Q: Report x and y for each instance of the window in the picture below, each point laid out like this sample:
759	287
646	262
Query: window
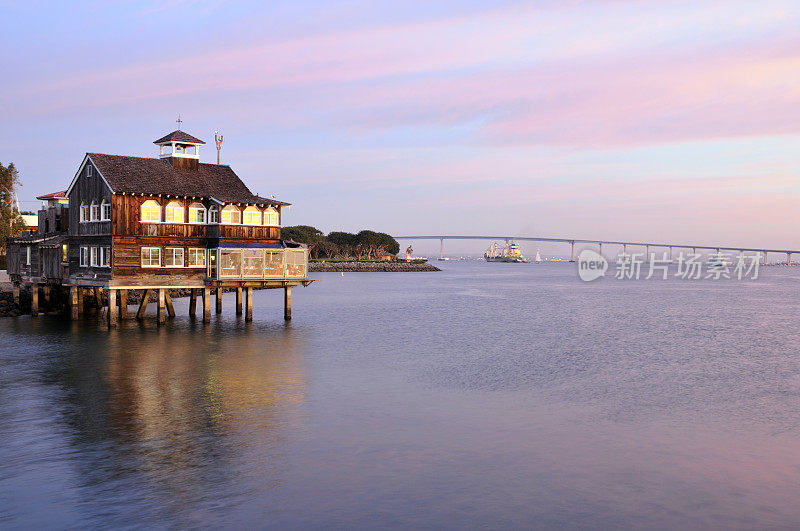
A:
173	257
105	211
84	256
253	263
271	217
94	257
252	216
296	262
174	212
231	214
28	255
273	264
151	257
89	170
95	211
197	257
64	255
84	212
105	256
230	263
151	211
213	215
197	213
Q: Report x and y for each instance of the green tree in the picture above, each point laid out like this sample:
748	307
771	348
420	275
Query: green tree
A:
10	221
303	234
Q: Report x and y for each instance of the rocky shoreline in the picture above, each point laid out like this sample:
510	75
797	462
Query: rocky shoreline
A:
369	267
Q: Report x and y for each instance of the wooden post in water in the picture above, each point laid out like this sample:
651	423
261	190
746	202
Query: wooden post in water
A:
168	300
206	305
239	300
248	316
46	295
162	317
80	300
34	299
193	303
287	303
123	304
143	305
16	293
98	296
73	302
112	308
219	300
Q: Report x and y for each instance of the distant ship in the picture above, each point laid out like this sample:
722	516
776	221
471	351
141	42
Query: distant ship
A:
538	258
511	253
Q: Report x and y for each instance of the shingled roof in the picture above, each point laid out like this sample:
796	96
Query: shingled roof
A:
149	176
179	136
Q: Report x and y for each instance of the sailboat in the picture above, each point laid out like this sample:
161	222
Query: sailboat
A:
538	258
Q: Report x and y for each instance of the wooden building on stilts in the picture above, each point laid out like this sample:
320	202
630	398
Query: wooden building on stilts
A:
156	224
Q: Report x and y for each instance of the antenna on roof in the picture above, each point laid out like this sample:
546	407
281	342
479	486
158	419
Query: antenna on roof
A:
218	141
179	121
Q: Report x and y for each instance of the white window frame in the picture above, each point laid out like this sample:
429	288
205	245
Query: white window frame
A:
230	209
28	255
84	212
171	209
173	249
95	212
249	210
213	215
105	256
195	252
268	215
195	208
150	259
105	205
84	256
149	210
89	170
94	256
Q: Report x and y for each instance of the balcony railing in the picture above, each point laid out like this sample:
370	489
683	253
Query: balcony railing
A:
257	264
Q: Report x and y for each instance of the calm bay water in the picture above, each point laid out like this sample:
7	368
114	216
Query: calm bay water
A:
488	395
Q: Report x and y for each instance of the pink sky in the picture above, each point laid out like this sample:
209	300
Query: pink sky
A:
670	121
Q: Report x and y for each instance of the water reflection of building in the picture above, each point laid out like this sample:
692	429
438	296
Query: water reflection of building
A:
177	414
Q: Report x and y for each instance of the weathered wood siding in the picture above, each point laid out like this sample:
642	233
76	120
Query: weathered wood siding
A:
88	189
13	258
127	265
53	219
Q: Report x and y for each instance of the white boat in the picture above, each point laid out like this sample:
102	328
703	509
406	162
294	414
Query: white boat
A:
538	258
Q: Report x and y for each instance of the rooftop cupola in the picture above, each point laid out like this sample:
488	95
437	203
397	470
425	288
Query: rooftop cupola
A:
180	149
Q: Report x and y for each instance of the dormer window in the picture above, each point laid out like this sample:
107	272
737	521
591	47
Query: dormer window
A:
252	216
84	212
213	215
197	213
95	211
174	212
105	211
231	214
151	211
271	217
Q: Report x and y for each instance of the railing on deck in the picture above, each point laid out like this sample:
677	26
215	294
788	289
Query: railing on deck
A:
257	264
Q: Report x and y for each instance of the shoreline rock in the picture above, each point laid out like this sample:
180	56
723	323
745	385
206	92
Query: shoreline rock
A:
370	267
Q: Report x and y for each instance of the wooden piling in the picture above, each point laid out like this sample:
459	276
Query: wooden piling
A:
73	302
34	299
98	296
123	304
80	300
193	302
46	295
168	300
248	316
287	303
162	317
16	293
112	308
219	300
239	301
206	305
143	305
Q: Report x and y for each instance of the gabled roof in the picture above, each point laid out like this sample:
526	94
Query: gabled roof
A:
179	136
55	195
149	176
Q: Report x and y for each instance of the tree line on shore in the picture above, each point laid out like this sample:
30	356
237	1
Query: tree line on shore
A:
364	245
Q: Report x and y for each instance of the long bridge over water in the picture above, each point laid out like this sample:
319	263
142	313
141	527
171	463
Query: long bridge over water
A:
600	243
